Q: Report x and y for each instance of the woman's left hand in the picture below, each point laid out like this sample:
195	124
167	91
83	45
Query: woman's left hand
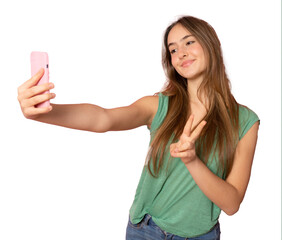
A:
185	147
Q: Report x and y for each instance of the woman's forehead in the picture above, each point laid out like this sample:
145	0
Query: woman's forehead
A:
177	34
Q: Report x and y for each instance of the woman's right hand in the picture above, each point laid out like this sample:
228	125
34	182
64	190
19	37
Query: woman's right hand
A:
29	95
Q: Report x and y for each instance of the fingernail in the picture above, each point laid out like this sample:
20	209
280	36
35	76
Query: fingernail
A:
51	85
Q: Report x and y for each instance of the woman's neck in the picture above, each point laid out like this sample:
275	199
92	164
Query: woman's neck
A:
192	87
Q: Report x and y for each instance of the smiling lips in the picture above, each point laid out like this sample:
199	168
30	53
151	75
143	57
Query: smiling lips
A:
187	63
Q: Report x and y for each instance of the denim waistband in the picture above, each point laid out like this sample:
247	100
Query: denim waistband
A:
147	220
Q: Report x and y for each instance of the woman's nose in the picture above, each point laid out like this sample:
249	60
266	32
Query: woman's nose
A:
182	52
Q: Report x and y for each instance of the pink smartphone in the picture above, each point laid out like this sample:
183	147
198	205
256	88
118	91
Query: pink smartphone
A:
40	60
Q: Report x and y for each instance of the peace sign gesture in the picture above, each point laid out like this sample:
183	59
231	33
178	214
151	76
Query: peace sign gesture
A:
185	147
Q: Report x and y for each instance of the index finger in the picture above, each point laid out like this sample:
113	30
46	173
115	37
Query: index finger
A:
188	125
196	133
33	80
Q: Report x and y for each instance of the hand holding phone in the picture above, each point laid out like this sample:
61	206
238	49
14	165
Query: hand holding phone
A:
40	60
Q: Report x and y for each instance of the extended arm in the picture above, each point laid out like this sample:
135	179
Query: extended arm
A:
86	117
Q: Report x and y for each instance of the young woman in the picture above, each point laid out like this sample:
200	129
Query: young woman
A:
202	141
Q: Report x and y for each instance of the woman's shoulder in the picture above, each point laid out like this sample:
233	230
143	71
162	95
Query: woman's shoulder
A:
246	113
151	102
156	101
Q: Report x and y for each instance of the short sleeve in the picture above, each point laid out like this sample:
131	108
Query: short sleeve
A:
161	112
247	118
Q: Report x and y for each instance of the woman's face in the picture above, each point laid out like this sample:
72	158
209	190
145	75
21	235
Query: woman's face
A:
187	55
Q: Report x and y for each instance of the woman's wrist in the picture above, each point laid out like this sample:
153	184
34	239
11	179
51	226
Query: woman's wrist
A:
194	163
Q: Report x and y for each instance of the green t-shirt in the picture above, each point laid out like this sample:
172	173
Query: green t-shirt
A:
173	199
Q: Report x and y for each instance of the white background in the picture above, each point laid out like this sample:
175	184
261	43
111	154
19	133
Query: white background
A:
57	183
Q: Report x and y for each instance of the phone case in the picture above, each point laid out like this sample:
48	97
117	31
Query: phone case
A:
40	60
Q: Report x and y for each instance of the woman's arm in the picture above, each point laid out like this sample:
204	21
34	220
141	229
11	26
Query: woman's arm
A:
227	194
86	117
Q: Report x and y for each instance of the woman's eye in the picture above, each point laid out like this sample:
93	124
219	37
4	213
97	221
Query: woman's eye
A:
172	51
190	42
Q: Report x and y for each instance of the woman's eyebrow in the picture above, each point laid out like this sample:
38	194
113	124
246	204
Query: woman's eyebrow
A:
182	39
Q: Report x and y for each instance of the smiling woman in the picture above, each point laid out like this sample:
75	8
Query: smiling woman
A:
202	141
210	144
187	54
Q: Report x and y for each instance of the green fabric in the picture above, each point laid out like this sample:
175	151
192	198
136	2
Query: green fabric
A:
173	199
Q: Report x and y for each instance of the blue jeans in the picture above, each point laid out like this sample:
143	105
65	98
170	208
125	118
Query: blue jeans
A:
148	230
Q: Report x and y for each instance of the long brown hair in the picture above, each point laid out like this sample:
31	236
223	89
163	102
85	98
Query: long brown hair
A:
222	112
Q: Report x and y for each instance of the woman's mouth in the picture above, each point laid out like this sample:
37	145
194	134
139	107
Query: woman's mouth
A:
187	63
